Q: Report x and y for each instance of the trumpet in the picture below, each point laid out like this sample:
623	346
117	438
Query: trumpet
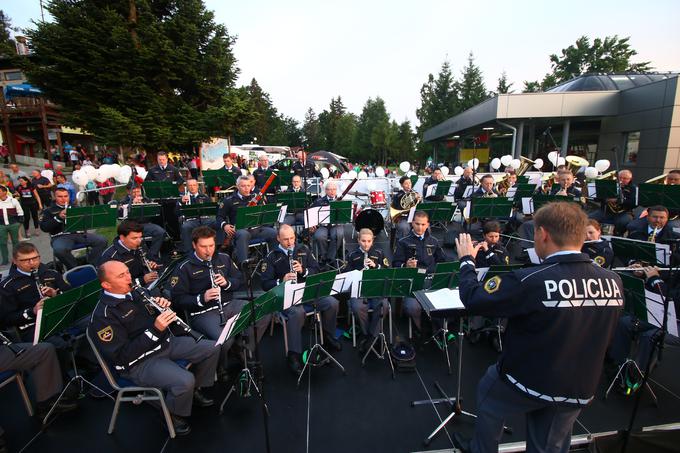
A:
290	265
183	325
213	276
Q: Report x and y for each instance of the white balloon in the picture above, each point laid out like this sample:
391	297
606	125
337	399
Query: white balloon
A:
124	174
80	196
115	170
515	163
79	178
89	171
325	173
101	175
495	163
405	166
552	157
561	161
379	172
352	175
141	172
474	163
410	173
591	172
445	170
538	163
362	175
505	160
602	165
345	175
458	170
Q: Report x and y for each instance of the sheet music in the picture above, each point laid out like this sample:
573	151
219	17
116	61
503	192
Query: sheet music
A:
468	191
431	189
312	217
511	192
292	294
466	210
592	190
36	332
655	312
527	205
411	212
347	282
663	254
443	299
282	213
535	178
226	330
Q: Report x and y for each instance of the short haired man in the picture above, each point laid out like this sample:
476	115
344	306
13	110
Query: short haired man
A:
164	171
437	176
11	217
403	227
135	339
260	175
294	217
14	174
655	229
618	210
305	168
545	305
53	221
130	249
43	186
463	183
565	185
229	165
150	229
486	188
326	237
191	197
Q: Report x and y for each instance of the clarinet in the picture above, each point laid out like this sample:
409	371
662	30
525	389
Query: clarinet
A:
290	264
187	194
219	295
145	260
366	267
185	327
36	279
7	342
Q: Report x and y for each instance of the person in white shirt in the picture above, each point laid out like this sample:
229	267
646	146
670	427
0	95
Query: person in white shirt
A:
11	216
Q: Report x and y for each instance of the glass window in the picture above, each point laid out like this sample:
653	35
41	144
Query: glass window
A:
14	75
632	145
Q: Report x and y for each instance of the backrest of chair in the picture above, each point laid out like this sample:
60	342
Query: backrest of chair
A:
80	275
102	363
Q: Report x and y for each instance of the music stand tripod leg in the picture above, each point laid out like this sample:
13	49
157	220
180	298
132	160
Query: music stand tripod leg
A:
318	349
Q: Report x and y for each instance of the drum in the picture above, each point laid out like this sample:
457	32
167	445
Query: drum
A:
377	198
371	219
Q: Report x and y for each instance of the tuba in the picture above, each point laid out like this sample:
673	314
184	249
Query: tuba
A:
525	165
575	164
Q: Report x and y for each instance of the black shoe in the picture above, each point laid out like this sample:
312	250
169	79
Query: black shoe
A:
294	363
223	375
181	426
201	400
461	442
64	405
332	343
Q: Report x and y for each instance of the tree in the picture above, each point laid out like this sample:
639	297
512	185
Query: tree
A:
372	130
7	45
158	75
404	147
471	86
531	87
613	54
345	135
328	122
438	101
311	132
503	86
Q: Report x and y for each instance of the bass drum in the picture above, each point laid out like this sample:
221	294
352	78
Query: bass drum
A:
371	219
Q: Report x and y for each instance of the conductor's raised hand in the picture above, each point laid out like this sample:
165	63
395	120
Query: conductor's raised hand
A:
465	247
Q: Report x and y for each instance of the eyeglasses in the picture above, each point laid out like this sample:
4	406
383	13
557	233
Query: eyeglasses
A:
28	260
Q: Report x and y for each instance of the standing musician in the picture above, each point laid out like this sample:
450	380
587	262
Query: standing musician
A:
137	341
402	226
486	188
226	222
260	175
191	197
11	218
129	249
437	176
598	249
366	256
327	237
53	221
155	232
164	171
618	210
419	249
295	218
229	165
203	285
553	329
291	262
305	168
491	251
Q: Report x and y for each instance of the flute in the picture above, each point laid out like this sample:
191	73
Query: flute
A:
638	269
219	294
185	327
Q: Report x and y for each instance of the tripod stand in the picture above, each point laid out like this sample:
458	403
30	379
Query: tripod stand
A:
383	347
444	332
621	373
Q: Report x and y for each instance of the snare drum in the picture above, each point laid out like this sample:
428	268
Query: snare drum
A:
377	198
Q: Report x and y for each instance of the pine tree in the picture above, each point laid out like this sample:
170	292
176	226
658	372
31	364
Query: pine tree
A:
471	86
438	101
503	85
311	132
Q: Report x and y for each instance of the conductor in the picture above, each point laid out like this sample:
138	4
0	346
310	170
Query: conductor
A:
561	317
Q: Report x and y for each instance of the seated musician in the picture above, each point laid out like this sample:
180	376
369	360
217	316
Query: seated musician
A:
229	165
366	256
53	221
191	197
295	218
137	341
419	249
402	226
437	176
327	237
565	185
618	211
672	179
260	175
207	295
164	171
226	222
11	218
463	183
598	249
486	188
294	262
305	168
491	252
654	229
129	249
152	230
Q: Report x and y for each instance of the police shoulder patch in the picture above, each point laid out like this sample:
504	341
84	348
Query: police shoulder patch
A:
106	334
263	268
492	284
173	281
385	262
599	260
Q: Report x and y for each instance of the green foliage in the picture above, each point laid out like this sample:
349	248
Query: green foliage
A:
471	87
503	86
372	130
139	73
438	101
311	132
531	87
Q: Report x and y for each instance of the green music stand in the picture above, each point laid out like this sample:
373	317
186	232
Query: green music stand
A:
283	178
438	211
340	213
143	212
523	180
193	211
218	178
605	188
89	217
659	194
445	276
635	302
159	190
539	200
295	201
255	216
442	188
318	285
523	191
391	282
490	208
633	250
414	180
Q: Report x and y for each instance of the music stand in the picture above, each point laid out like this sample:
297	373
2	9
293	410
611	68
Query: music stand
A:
601	189
439	212
166	193
655	194
295	201
441	188
491	208
628	250
339	214
143	212
218	178
523	190
160	190
198	210
89	217
256	216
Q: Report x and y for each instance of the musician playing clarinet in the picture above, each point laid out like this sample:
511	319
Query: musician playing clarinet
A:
137	341
130	249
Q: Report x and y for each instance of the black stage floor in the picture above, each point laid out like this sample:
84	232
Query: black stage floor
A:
364	411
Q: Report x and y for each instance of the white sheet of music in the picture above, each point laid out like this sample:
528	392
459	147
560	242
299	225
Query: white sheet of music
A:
226	330
655	312
36	331
347	282
445	299
312	217
411	212
527	205
282	213
511	192
533	256
430	190
292	294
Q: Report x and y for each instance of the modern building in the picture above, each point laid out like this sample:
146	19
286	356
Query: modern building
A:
633	116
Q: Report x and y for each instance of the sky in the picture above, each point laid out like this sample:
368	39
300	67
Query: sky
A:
303	52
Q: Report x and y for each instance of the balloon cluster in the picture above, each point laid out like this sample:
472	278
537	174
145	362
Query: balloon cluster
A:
88	173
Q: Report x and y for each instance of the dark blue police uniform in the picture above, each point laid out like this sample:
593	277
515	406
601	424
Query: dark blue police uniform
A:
369	322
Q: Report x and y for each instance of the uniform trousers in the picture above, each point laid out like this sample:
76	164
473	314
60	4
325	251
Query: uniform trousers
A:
244	236
326	239
369	322
187	227
157	234
40	361
160	370
63	244
328	306
548	425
